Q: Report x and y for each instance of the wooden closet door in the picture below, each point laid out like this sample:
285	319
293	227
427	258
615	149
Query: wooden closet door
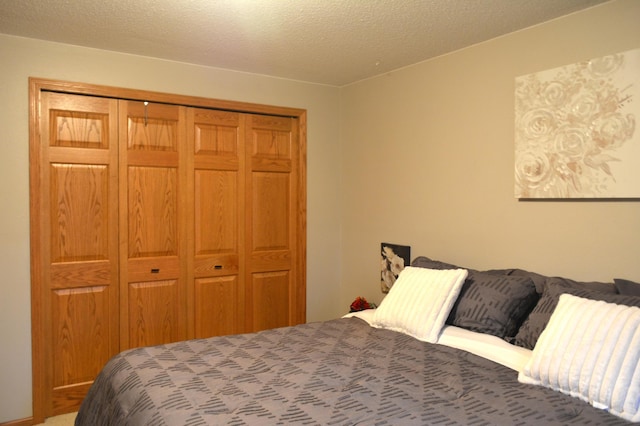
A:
152	223
216	182
271	222
75	249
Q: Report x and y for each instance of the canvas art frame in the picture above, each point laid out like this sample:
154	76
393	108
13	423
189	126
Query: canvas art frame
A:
575	130
393	259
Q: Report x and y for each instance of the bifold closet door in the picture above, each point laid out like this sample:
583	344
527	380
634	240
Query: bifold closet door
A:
156	221
75	249
216	180
271	222
153	223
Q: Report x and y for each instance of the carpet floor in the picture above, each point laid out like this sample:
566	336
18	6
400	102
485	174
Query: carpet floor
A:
62	420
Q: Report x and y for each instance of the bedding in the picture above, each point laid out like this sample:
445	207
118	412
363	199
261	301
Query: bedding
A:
493	304
627	287
420	301
537	320
590	350
338	372
398	364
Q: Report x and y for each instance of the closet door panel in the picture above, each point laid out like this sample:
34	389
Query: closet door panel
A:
81	340
81	343
152	223
271	211
79	278
152	215
152	127
271	221
77	246
216	212
216	305
153	313
79	212
79	121
216	288
271	299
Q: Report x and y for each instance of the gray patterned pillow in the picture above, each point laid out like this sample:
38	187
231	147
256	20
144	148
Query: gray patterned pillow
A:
537	279
493	304
425	262
539	317
627	287
600	287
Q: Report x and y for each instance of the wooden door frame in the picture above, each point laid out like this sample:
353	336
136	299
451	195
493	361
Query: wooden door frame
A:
39	85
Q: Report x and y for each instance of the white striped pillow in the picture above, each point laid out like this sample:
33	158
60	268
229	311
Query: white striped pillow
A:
590	350
419	302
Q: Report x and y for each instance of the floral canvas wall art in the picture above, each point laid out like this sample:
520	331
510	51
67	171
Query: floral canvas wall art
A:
575	130
394	258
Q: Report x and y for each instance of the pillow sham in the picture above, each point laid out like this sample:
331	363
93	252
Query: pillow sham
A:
419	302
425	262
493	304
588	285
539	317
590	350
537	279
627	287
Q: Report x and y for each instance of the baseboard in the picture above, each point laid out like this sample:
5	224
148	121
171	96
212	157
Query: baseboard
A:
24	422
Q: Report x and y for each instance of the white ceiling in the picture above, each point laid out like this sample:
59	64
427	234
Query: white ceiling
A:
334	42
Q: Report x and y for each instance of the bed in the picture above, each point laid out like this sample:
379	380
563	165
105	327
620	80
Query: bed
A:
470	365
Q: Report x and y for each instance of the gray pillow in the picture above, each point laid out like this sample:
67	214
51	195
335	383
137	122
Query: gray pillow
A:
627	287
537	320
588	285
425	262
493	304
537	279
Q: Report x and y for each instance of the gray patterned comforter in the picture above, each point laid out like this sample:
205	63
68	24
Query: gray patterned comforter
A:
339	372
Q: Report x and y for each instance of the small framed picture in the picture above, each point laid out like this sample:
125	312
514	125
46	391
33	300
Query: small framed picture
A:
394	258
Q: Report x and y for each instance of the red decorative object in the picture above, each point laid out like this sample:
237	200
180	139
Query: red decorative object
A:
360	304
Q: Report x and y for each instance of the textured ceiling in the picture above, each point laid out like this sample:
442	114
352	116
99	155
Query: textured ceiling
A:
334	42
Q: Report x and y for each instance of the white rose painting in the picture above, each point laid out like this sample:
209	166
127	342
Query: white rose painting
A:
575	130
393	259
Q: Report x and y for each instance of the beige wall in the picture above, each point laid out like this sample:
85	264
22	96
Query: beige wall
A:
22	58
423	156
428	161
